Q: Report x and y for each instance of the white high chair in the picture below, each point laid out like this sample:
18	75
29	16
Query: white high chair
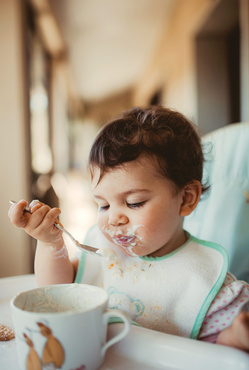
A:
222	216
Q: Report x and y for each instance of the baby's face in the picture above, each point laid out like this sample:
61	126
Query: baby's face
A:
139	210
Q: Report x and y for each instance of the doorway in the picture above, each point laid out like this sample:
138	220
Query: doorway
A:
218	68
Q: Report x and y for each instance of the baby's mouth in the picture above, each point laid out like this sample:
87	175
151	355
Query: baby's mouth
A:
123	239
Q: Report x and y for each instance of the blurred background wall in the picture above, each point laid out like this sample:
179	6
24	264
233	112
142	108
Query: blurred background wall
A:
67	67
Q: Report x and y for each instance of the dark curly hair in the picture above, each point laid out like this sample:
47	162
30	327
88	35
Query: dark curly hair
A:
164	134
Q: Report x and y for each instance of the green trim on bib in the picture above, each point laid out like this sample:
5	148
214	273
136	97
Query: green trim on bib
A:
146	258
82	261
81	268
216	287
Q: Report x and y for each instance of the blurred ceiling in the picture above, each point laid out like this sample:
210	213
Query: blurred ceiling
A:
110	42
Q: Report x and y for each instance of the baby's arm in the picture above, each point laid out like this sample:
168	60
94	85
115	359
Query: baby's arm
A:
227	320
52	264
236	335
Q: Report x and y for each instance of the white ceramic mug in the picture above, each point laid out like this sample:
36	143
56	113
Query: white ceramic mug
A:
63	326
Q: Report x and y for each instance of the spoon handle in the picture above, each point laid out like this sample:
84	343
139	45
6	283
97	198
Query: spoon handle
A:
86	248
75	241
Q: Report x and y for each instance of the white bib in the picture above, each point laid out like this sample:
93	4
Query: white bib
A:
171	294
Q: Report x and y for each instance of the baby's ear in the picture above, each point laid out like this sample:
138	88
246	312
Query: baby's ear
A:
191	197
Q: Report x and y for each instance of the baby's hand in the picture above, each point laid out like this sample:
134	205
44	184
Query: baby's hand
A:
39	223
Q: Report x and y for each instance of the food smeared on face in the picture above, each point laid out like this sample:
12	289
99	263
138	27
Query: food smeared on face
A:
126	240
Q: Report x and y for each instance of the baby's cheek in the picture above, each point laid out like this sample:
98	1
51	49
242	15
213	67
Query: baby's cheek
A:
102	222
152	237
145	233
104	227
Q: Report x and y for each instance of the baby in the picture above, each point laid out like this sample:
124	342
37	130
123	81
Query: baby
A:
146	171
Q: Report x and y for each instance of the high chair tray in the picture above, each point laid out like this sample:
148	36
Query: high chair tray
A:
142	349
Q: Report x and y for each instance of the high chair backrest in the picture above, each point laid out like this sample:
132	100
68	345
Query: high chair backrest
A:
222	216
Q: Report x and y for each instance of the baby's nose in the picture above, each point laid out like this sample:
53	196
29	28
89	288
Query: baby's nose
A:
117	219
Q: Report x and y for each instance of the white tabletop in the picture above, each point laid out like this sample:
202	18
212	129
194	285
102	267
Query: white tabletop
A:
142	349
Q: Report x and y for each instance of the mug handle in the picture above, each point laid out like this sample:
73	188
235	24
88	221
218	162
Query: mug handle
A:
119	336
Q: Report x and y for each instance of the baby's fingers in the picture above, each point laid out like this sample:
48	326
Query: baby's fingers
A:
17	215
40	214
51	217
41	225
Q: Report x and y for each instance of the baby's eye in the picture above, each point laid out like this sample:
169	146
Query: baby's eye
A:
136	205
103	208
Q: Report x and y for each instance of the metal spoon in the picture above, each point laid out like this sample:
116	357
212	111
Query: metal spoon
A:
86	248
